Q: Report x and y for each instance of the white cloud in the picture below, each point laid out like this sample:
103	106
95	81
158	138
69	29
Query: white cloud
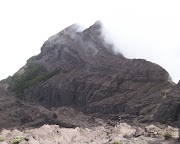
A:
140	29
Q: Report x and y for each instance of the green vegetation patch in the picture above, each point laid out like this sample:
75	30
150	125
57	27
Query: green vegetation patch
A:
17	140
167	135
1	139
34	73
118	142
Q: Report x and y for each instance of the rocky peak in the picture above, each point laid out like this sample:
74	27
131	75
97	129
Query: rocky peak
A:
60	38
178	83
97	25
96	28
71	46
75	33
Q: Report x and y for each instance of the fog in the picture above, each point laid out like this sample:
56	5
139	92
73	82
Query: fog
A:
138	29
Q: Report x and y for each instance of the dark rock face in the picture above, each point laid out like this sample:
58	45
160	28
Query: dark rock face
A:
169	111
95	79
17	114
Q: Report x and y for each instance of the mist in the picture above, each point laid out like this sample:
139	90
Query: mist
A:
138	29
158	44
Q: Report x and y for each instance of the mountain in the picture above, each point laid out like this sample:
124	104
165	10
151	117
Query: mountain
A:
79	69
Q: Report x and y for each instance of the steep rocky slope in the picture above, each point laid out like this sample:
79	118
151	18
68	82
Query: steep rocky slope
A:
17	114
170	108
79	69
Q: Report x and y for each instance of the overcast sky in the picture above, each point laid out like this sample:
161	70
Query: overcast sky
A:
147	29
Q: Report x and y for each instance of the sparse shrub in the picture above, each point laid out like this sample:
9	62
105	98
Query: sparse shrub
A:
1	139
17	140
167	135
118	142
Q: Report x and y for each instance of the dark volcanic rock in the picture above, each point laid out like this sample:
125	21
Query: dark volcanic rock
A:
169	111
80	69
16	114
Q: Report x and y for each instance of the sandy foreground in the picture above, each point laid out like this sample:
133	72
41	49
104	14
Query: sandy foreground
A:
120	134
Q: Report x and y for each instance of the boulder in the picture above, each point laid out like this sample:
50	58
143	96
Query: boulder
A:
139	131
153	131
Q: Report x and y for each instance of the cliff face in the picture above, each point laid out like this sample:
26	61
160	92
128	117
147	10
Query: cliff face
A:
14	113
169	111
79	69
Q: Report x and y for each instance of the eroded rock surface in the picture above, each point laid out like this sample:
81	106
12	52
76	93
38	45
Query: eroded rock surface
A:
170	109
17	114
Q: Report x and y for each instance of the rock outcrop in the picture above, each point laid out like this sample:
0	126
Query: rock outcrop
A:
169	111
17	114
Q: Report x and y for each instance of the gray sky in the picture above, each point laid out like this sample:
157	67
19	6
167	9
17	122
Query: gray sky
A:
139	29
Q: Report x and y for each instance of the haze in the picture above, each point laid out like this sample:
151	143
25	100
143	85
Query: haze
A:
138	29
